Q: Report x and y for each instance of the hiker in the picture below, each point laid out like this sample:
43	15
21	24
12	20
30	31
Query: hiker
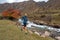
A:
24	22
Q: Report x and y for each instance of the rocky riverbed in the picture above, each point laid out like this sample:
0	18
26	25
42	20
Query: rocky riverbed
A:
52	31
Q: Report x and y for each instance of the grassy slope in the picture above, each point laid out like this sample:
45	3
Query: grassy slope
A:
9	31
56	18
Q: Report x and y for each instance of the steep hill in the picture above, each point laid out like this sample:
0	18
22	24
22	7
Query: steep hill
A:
53	4
32	6
9	31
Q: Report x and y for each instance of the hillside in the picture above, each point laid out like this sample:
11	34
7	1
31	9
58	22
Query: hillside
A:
53	4
37	11
9	31
31	5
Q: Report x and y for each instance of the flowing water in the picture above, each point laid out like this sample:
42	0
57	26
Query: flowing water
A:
30	24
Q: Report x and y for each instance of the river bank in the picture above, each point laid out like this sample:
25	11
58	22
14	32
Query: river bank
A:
55	25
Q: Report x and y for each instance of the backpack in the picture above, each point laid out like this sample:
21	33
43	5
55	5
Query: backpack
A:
24	19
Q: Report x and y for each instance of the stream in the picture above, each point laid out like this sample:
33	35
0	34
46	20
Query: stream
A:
30	24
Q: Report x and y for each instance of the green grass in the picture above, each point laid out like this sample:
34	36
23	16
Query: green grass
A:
9	31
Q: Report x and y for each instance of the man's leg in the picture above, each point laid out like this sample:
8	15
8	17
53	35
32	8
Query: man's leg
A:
25	29
21	28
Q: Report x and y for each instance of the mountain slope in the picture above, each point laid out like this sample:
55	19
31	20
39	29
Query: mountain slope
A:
31	6
53	4
9	31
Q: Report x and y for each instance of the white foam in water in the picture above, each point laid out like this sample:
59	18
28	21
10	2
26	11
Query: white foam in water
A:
30	24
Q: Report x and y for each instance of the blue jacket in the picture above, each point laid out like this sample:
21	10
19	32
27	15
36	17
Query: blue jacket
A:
24	19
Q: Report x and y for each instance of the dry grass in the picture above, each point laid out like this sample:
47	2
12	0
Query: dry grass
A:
9	31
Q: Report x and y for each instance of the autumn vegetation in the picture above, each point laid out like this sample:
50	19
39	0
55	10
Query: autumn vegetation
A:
11	14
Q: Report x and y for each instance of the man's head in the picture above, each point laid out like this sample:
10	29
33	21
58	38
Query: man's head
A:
25	14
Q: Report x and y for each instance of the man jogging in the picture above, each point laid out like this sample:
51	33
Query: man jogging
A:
24	22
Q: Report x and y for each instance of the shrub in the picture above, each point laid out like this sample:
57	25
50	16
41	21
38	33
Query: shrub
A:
1	17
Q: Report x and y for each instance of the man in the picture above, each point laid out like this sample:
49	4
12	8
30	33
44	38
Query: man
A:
24	22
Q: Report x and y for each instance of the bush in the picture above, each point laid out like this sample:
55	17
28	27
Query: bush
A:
1	17
10	18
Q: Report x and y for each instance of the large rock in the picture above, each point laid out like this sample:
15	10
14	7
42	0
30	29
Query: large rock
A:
46	34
